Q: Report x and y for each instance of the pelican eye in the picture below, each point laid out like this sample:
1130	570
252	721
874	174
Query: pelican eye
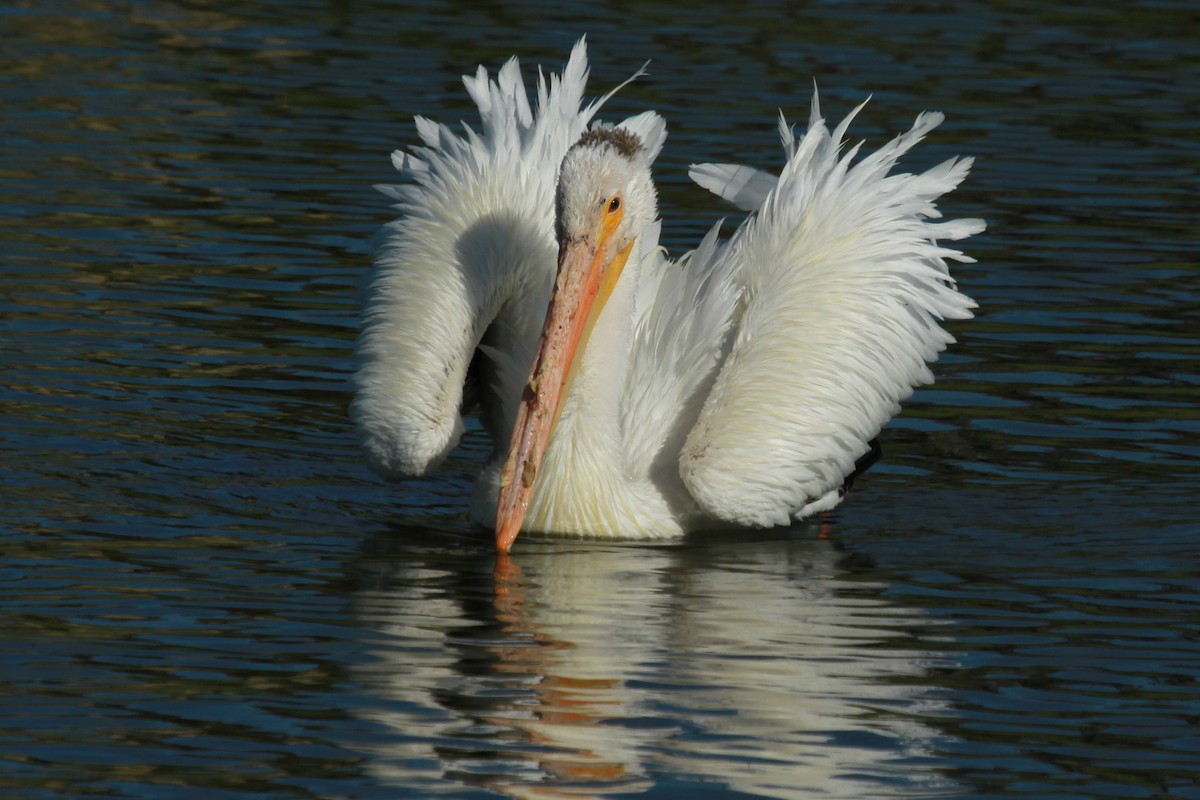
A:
614	204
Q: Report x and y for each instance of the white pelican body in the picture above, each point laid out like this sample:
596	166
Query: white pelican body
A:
735	387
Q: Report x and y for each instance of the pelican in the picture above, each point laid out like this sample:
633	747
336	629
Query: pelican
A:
631	396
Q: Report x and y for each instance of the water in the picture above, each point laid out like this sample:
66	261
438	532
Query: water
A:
204	594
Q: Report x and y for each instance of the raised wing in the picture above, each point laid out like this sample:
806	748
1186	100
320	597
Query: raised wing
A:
468	264
844	286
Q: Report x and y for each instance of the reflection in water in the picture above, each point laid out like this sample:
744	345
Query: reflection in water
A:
580	669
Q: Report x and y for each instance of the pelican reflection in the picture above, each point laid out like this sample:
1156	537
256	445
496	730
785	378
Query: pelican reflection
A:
583	669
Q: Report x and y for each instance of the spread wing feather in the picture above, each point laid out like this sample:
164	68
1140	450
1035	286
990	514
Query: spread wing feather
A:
844	285
470	260
745	187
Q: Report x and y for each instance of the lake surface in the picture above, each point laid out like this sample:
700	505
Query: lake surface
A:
205	594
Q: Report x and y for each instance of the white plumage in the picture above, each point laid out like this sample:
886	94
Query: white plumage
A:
736	386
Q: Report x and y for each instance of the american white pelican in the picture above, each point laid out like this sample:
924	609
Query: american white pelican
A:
631	396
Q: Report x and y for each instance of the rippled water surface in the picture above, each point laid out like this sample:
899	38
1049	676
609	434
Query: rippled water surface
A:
205	594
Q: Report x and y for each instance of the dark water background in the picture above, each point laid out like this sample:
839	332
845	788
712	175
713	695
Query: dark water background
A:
205	594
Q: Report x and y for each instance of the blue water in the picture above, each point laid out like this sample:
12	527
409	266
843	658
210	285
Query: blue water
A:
205	594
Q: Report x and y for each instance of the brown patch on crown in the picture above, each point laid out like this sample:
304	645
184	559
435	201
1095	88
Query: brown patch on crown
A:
626	142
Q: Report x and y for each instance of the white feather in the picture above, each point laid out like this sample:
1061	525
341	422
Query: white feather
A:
844	288
473	248
676	348
745	187
739	384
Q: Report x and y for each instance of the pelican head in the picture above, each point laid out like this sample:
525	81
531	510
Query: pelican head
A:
605	198
604	190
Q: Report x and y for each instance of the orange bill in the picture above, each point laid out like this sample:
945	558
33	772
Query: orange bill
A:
587	271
